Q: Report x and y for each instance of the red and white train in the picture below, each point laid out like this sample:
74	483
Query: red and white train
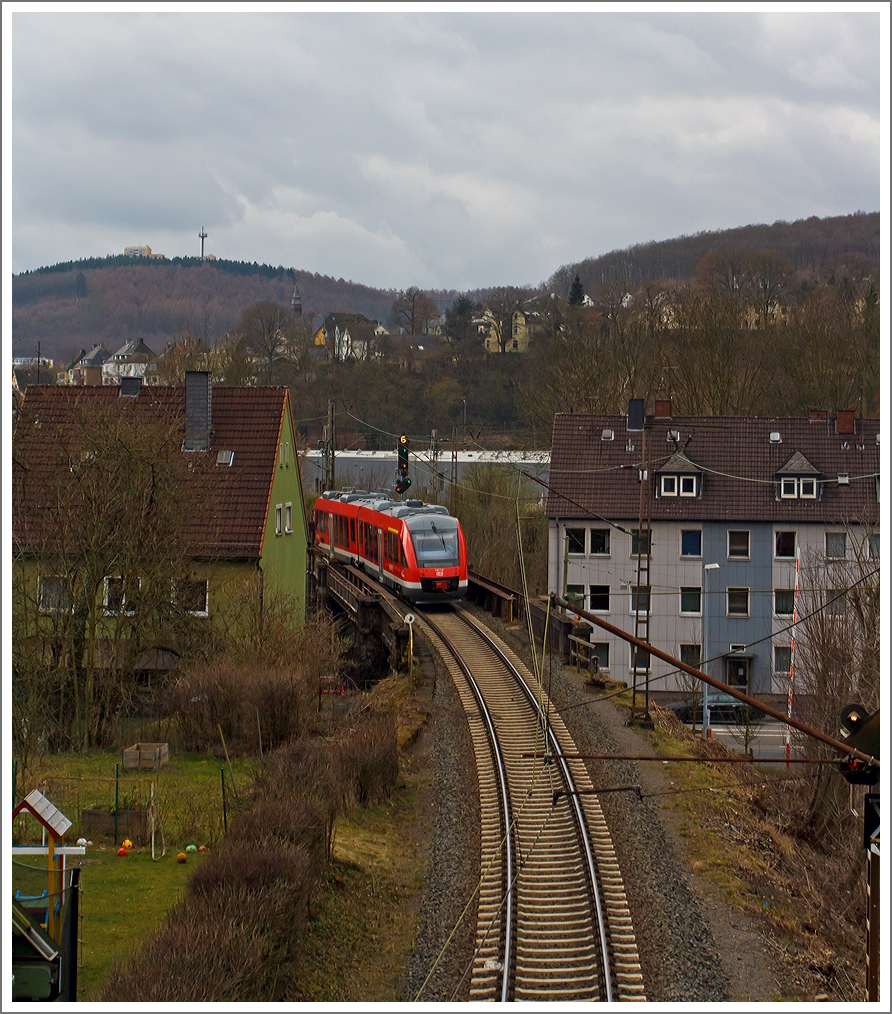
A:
416	548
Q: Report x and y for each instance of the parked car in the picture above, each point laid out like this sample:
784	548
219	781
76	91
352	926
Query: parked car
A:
722	708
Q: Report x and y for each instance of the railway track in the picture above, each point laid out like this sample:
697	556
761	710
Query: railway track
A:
552	917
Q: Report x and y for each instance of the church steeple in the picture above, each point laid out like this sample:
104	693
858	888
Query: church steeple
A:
295	302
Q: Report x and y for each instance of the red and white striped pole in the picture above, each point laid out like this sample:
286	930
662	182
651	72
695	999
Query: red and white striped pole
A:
792	660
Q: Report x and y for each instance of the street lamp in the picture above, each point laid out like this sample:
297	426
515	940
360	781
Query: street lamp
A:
707	567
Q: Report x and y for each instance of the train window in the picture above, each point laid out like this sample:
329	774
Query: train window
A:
352	530
403	561
437	546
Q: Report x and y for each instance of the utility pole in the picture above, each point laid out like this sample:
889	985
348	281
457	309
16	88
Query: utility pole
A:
330	448
453	476
639	713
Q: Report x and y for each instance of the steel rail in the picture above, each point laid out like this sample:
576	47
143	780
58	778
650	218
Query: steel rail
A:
505	802
581	825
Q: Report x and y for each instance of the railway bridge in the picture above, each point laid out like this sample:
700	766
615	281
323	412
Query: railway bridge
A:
378	625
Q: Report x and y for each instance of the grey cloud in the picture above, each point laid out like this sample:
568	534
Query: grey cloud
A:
435	149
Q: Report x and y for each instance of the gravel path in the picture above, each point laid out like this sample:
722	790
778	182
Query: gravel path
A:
692	947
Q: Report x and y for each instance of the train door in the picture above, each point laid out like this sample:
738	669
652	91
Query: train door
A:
380	534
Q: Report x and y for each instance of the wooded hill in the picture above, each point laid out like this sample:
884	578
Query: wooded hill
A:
70	306
810	244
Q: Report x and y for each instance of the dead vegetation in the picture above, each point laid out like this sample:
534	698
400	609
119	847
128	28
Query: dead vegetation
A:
748	831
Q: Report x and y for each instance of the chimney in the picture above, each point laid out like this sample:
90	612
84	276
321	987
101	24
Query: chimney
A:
845	422
663	408
817	414
198	411
635	421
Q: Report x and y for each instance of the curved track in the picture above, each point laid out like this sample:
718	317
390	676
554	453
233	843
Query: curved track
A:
552	918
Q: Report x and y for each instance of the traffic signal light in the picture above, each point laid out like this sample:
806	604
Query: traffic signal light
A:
403	482
862	732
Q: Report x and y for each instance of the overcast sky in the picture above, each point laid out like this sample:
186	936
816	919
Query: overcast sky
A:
444	150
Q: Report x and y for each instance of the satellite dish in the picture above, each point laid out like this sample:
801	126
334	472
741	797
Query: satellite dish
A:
409	618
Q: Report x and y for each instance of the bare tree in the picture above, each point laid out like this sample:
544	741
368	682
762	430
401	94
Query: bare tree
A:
414	312
266	330
99	514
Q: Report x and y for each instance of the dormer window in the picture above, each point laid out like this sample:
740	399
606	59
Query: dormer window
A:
679	476
678	485
798	488
798	479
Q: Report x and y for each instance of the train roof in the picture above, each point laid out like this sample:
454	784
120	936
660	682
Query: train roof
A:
383	504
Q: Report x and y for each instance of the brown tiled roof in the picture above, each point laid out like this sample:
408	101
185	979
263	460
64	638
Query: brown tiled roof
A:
245	420
739	463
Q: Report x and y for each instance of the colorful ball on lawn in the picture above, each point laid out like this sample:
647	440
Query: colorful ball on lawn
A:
202	848
82	841
127	843
181	857
191	848
122	851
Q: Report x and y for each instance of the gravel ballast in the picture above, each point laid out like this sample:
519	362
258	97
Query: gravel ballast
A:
692	947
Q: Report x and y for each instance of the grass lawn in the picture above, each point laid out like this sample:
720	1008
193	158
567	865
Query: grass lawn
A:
123	900
188	792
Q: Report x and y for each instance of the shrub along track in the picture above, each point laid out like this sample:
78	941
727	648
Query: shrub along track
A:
552	917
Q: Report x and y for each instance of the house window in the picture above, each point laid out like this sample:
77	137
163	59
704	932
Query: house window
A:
873	547
600	541
54	595
639	659
788	489
835	601
782	658
278	519
792	488
738	601
668	485
783	601
690	602
738	545
642	540
576	595
514	345
600	598
835	543
688	485
601	654
784	545
576	541
692	542
640	603
690	654
288	528
116	599
192	596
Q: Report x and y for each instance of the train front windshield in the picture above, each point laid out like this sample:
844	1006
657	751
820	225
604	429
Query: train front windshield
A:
436	543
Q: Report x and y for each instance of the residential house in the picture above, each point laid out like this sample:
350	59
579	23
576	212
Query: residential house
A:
133	359
241	440
350	336
86	369
409	350
522	326
721	509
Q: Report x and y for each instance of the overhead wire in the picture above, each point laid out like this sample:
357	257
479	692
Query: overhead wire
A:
777	633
